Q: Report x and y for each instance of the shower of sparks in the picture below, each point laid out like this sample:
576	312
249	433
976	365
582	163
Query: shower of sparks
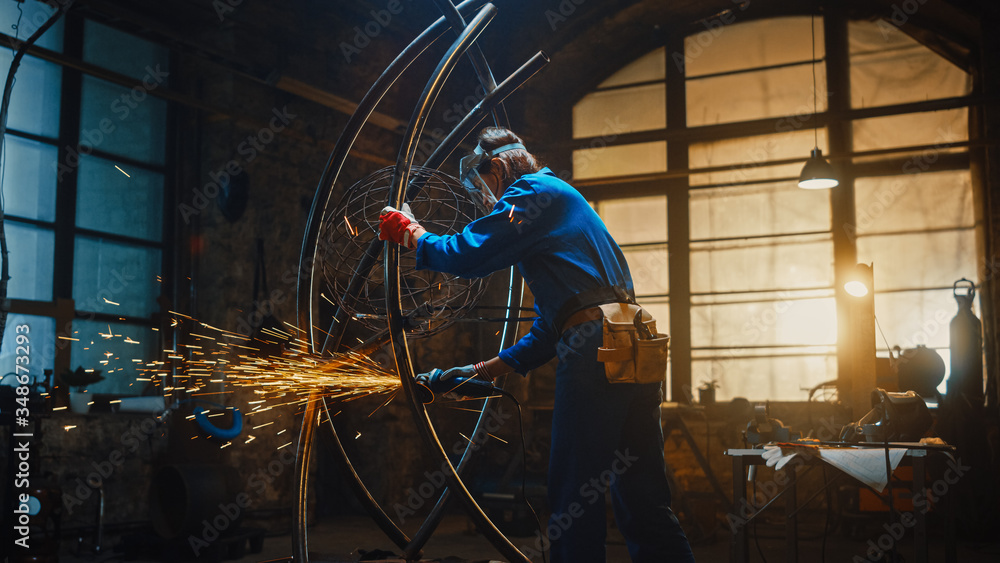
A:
218	362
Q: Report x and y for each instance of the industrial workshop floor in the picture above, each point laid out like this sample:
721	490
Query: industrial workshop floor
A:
347	539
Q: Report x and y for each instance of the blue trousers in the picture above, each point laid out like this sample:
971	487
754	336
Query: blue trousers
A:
607	437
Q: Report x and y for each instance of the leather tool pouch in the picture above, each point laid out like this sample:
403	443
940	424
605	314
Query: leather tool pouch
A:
627	356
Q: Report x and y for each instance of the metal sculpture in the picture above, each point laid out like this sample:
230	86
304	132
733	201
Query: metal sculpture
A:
405	305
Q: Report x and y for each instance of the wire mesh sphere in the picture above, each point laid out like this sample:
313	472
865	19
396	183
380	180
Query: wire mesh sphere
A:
429	300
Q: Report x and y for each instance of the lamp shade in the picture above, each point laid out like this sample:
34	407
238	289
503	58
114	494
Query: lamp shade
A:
817	174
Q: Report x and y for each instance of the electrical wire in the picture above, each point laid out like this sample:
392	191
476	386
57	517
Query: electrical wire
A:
812	25
524	470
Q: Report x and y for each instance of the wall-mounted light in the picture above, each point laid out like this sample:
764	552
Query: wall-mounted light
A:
859	282
817	174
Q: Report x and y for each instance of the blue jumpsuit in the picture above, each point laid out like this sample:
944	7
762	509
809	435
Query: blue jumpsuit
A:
604	436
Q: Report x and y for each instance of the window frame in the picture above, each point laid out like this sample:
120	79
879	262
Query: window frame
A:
62	307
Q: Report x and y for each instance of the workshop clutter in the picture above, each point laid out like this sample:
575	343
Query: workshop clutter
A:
633	352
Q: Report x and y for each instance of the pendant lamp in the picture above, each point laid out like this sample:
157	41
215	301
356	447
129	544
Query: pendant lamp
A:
817	174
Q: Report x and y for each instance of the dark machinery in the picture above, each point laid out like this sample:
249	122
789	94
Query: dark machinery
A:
895	417
764	429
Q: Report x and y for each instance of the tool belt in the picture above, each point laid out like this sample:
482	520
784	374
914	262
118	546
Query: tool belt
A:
632	350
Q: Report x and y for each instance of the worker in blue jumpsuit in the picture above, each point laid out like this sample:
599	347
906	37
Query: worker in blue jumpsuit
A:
605	436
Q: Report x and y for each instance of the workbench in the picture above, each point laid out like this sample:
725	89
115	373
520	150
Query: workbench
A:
743	460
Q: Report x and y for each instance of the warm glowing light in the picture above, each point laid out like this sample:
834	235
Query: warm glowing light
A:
856	288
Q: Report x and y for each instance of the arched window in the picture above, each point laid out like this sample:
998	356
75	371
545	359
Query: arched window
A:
752	255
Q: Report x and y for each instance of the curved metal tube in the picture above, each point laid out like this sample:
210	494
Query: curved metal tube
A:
476	57
478	113
399	346
447	146
338	157
305	291
303	450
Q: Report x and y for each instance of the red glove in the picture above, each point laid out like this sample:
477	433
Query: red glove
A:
398	226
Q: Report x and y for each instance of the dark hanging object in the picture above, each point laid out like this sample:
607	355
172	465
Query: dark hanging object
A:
270	335
966	343
234	193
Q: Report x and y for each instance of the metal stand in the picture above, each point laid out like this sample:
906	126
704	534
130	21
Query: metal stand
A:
330	341
746	459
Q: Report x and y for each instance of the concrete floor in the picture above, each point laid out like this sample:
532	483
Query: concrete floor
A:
346	539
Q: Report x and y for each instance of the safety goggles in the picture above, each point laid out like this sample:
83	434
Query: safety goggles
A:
468	171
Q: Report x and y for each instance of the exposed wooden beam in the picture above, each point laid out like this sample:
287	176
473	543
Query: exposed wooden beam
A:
337	103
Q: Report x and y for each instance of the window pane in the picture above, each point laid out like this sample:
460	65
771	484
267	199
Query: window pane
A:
121	351
115	278
913	202
731	266
913	318
31	251
889	67
635	220
920	260
108	200
603	161
122	52
610	113
790	318
746	96
34	100
755	210
32	16
644	69
29	179
726	47
784	376
130	123
41	352
648	266
742	157
911	130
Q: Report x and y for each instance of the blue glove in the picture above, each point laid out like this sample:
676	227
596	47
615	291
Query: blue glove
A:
460	381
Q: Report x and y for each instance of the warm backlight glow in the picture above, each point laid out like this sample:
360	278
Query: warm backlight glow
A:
856	288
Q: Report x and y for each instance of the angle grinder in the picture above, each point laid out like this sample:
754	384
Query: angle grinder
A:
430	385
